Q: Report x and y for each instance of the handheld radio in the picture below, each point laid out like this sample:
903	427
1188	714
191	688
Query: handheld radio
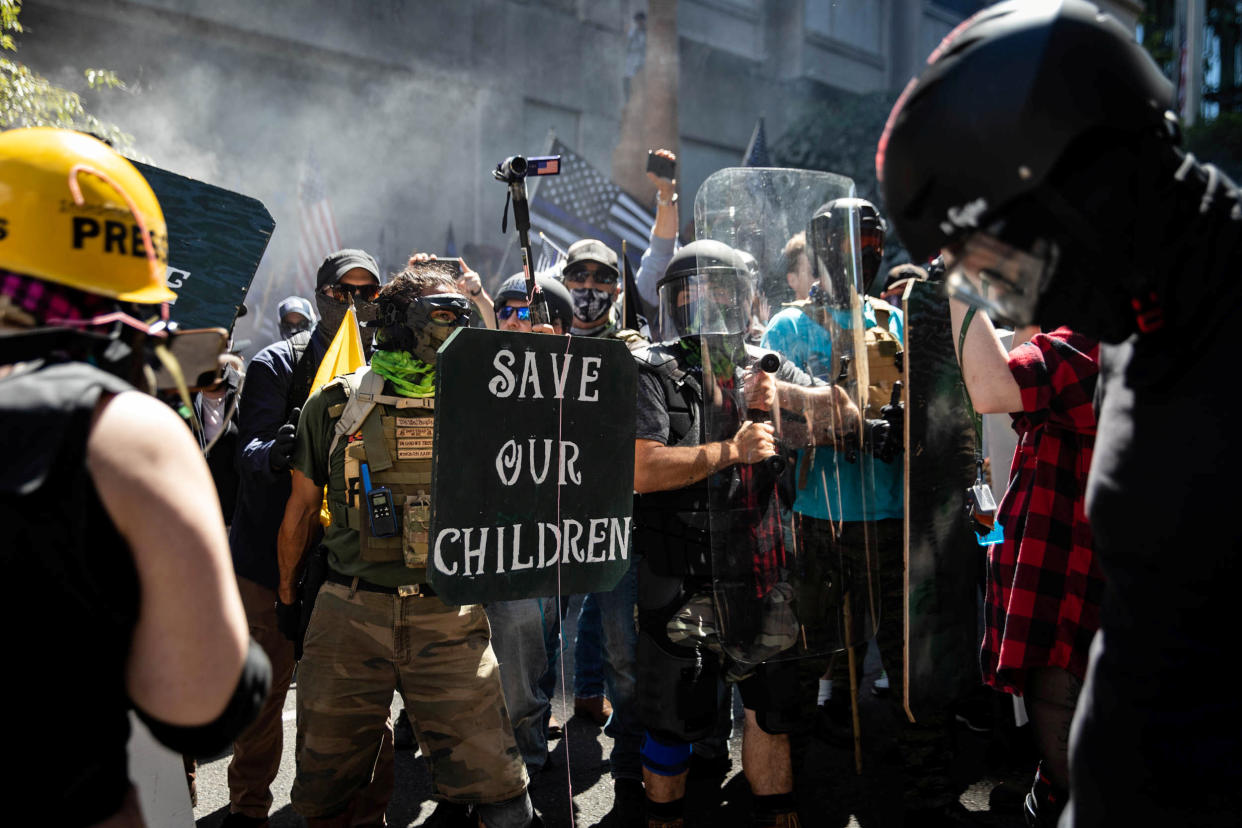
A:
380	510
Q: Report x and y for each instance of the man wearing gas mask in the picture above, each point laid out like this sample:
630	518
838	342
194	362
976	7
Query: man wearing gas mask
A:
113	533
1063	198
700	402
377	626
278	380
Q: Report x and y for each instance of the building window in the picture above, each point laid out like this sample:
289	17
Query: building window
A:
858	23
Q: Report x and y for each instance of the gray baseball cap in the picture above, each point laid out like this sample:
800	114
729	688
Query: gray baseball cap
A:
590	250
294	304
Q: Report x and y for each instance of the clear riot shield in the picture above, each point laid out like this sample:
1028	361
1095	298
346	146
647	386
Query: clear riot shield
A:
792	576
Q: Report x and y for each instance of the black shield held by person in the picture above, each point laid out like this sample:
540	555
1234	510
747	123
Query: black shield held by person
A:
533	466
216	239
942	555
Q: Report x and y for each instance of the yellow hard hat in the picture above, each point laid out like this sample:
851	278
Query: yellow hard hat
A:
73	211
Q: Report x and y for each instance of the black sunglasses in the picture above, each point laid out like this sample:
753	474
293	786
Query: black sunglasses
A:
341	292
523	314
601	276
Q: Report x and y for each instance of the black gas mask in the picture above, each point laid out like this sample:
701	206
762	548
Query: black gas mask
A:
422	326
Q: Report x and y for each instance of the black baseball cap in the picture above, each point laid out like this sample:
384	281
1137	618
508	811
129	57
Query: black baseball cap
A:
341	262
590	250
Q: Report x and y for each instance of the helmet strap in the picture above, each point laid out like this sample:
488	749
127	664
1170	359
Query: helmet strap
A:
75	190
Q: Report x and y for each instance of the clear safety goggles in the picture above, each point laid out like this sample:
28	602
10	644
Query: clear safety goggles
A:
1002	280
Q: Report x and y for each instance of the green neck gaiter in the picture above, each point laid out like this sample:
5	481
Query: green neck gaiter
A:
410	377
724	363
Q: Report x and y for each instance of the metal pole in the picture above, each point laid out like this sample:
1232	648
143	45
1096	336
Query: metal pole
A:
1195	16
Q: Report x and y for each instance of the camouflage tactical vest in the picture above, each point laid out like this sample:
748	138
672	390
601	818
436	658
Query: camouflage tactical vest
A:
393	436
884	351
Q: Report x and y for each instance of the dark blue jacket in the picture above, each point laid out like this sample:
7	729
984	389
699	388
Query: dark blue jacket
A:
262	494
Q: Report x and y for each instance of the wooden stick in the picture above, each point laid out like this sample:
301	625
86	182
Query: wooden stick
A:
849	632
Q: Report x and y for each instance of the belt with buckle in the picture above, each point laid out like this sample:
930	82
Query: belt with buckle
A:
405	591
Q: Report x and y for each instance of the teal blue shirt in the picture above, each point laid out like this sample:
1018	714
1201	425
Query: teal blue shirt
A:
837	489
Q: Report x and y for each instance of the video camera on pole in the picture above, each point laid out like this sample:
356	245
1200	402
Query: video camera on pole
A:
514	171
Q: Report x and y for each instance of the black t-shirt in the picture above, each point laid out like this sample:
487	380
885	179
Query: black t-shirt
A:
1151	746
651	418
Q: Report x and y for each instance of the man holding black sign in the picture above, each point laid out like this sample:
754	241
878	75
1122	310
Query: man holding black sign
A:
377	625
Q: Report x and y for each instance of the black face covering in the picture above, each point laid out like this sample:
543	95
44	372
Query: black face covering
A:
332	314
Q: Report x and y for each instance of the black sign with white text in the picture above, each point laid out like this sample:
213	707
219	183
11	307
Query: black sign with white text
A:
533	466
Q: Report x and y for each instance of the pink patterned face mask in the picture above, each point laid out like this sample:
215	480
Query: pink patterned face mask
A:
50	303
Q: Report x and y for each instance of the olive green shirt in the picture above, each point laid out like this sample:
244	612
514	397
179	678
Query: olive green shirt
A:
315	432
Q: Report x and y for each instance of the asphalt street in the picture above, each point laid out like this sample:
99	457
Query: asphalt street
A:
992	770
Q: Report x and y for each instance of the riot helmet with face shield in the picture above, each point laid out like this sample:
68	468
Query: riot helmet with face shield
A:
845	242
705	290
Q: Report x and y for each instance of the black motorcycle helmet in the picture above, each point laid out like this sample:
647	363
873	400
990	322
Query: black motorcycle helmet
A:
1004	99
560	305
1037	146
706	289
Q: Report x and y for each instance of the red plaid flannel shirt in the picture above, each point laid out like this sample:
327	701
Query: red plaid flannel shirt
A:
1044	588
757	498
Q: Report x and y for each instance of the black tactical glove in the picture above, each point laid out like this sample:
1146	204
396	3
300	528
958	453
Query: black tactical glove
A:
289	620
280	457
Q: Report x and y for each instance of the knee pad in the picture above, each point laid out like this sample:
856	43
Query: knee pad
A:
665	757
677	688
772	693
776	722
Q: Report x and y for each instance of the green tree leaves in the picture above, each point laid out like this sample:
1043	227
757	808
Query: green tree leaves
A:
29	99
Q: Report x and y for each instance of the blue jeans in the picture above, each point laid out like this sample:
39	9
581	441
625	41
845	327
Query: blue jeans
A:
519	631
620	638
588	651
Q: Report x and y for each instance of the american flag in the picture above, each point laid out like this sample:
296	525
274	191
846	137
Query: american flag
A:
318	226
551	258
582	203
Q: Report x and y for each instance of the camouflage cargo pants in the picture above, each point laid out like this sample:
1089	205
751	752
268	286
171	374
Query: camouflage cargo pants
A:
359	648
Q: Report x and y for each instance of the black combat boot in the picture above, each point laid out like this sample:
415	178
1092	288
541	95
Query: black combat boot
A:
1044	803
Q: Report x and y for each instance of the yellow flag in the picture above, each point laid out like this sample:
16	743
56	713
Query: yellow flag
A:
344	356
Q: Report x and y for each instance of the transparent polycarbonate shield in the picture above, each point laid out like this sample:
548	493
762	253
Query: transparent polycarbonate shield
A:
790	577
757	210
